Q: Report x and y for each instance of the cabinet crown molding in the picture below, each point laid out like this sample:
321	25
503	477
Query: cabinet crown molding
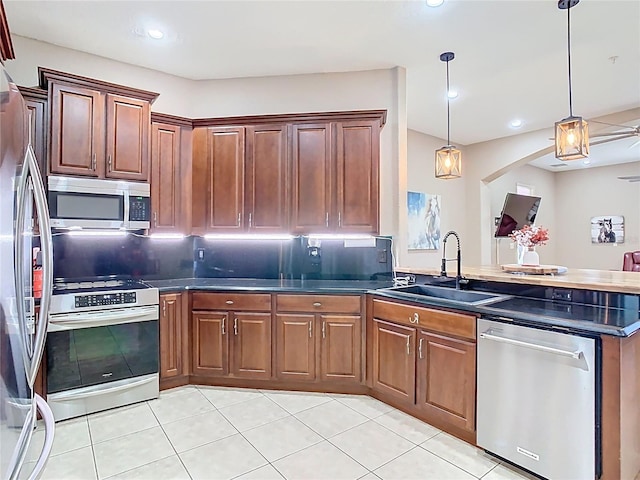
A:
47	75
316	117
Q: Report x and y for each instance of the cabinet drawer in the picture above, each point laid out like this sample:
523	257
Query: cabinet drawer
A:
440	321
232	301
318	303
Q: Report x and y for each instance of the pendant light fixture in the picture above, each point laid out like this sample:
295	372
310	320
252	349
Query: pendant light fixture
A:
448	158
572	133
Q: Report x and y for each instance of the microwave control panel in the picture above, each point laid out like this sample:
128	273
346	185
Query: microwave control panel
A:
139	209
119	298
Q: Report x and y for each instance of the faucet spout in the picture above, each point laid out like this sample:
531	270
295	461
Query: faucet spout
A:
458	259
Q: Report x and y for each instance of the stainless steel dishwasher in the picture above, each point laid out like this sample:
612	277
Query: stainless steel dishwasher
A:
538	400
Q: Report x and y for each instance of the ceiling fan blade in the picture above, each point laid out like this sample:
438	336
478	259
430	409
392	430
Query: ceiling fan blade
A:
630	177
614	134
607	140
637	142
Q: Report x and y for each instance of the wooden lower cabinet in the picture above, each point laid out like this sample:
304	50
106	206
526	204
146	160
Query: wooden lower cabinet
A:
425	369
394	360
174	337
319	338
231	343
446	380
295	347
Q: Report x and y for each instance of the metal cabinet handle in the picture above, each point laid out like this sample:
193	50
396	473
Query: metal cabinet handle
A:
109	162
310	328
317	304
339	219
420	349
250	220
239	218
164	308
155	219
408	345
223	326
93	163
235	326
229	302
415	318
326	219
324	329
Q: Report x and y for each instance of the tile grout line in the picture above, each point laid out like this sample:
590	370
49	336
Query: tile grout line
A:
450	462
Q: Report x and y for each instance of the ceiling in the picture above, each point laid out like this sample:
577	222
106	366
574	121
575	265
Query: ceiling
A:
511	56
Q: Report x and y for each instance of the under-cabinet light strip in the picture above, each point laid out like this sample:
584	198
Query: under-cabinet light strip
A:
248	236
167	236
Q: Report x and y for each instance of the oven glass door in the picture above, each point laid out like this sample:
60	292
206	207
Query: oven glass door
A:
91	356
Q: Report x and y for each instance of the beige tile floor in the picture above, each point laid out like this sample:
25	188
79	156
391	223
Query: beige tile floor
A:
226	433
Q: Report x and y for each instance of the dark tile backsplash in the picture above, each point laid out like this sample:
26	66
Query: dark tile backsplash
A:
156	259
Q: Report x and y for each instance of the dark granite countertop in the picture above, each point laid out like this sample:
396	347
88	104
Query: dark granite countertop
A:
268	285
563	316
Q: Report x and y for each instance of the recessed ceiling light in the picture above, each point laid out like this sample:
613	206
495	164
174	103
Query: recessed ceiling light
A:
155	33
517	123
452	93
435	3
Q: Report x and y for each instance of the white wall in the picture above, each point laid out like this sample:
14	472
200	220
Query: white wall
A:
421	178
367	90
544	184
585	193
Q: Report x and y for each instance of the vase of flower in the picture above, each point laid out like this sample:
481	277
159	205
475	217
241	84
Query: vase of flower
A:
530	257
527	238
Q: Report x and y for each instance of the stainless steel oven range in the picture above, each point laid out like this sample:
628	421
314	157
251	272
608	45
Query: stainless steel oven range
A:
102	347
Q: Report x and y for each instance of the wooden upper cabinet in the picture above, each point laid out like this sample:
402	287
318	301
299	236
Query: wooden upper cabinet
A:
127	134
357	171
77	131
98	129
266	178
311	193
165	178
225	179
35	99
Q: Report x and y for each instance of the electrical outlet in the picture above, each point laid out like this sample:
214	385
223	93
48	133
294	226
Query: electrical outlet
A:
382	256
200	254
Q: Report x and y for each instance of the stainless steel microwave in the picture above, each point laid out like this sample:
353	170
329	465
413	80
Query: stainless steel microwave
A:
90	203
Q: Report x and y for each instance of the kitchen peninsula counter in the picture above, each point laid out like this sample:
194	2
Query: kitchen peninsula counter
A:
585	279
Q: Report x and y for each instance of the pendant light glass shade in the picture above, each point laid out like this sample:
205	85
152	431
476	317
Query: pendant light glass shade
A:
572	139
448	163
571	133
448	158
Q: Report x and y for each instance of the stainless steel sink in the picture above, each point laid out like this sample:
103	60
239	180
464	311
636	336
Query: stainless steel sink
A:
444	293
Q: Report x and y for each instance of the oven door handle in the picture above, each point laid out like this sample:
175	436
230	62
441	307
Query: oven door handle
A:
102	319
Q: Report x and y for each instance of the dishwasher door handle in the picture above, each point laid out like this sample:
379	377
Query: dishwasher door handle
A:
534	346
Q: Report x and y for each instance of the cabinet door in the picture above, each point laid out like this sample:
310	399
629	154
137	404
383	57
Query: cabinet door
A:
446	380
251	353
171	335
357	166
311	184
266	178
225	179
127	128
340	352
295	347
210	344
77	131
37	108
165	178
394	360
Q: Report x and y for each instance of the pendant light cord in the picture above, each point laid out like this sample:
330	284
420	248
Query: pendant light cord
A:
448	120
569	58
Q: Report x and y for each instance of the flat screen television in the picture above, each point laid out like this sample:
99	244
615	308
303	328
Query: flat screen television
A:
518	211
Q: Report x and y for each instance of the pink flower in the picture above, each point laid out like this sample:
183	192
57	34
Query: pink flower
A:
530	236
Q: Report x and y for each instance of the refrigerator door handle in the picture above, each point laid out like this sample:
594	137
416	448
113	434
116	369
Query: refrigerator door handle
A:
49	431
18	259
46	248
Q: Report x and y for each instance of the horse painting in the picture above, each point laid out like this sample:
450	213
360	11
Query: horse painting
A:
606	235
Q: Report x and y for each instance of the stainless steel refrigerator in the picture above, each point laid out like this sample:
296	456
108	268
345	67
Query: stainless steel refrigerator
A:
24	223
